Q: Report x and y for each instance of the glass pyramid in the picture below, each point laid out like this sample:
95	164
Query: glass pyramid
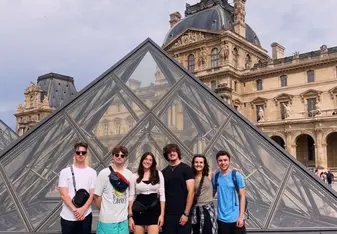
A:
144	102
7	135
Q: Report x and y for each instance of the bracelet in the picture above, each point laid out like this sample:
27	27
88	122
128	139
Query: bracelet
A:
130	216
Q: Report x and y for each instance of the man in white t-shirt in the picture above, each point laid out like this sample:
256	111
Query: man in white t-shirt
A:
75	219
112	201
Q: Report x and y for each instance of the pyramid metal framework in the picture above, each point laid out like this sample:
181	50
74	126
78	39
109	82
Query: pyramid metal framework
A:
164	104
7	135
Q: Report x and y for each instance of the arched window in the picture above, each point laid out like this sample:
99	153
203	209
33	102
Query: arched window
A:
215	58
235	57
191	63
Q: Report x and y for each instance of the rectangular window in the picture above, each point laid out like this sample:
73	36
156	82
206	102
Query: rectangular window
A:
310	76
284	80
213	84
311	105
259	85
235	85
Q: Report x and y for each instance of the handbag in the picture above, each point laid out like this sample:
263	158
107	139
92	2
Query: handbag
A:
81	195
118	181
138	207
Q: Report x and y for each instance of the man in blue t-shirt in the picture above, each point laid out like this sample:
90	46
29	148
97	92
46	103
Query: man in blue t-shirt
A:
231	206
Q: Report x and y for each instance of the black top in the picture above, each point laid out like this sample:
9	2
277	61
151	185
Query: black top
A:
176	188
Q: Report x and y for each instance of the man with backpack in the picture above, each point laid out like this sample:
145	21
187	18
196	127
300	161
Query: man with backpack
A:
230	188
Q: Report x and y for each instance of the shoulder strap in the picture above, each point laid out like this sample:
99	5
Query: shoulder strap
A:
73	175
235	181
198	192
216	178
111	169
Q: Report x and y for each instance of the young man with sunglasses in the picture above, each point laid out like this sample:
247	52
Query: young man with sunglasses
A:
113	202
77	219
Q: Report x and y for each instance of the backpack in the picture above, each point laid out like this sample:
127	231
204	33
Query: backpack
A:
236	186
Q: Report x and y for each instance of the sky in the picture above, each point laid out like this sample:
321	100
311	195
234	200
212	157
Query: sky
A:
83	38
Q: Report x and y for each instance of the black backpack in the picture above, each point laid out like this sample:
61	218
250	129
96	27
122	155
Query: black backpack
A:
236	186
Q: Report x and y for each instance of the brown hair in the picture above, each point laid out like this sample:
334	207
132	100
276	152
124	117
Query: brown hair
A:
205	170
223	153
170	148
80	144
154	175
118	149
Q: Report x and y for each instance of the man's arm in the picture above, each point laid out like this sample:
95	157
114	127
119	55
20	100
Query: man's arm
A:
66	199
190	195
242	193
98	201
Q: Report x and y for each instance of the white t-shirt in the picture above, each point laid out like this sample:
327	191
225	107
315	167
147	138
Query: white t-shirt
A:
114	207
85	178
144	188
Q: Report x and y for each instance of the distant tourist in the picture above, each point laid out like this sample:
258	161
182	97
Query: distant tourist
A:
203	214
76	186
112	194
230	186
329	177
179	192
147	197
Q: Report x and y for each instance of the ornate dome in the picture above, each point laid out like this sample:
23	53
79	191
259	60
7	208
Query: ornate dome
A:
211	16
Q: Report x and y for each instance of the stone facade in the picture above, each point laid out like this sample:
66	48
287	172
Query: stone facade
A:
34	109
292	99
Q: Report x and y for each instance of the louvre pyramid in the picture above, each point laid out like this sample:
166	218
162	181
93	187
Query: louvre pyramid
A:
7	135
144	102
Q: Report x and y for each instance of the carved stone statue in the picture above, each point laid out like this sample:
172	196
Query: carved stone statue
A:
19	108
178	58
190	37
287	110
318	111
248	62
202	58
261	114
224	52
296	54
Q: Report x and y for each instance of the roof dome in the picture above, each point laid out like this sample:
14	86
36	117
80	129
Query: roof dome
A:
218	17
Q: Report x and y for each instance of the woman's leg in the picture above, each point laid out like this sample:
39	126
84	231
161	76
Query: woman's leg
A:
139	229
152	229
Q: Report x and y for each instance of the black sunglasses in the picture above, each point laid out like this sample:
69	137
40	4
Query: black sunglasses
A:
81	152
119	155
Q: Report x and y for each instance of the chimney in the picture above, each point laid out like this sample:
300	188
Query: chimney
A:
240	17
277	50
174	18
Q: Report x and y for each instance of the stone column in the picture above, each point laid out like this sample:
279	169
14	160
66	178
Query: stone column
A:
320	156
288	145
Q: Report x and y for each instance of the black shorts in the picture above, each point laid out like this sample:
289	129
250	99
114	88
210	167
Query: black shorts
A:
230	228
172	226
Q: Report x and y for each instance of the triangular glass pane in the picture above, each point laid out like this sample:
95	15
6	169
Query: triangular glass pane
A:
263	167
147	81
304	204
191	116
38	167
10	219
7	135
112	121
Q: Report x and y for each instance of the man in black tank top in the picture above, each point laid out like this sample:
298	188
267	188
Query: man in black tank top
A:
179	192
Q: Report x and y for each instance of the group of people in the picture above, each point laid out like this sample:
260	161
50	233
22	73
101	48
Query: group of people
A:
326	176
178	199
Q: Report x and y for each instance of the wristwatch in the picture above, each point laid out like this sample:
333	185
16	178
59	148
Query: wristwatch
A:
185	214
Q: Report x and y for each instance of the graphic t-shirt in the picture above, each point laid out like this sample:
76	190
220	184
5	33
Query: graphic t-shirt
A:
114	207
228	199
85	178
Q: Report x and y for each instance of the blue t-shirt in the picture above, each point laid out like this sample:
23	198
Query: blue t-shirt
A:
228	199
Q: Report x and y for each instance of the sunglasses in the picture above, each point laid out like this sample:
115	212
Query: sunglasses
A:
119	155
81	152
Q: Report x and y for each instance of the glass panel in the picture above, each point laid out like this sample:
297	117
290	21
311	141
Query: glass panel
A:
262	166
147	81
304	204
10	220
87	104
113	120
35	177
7	135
